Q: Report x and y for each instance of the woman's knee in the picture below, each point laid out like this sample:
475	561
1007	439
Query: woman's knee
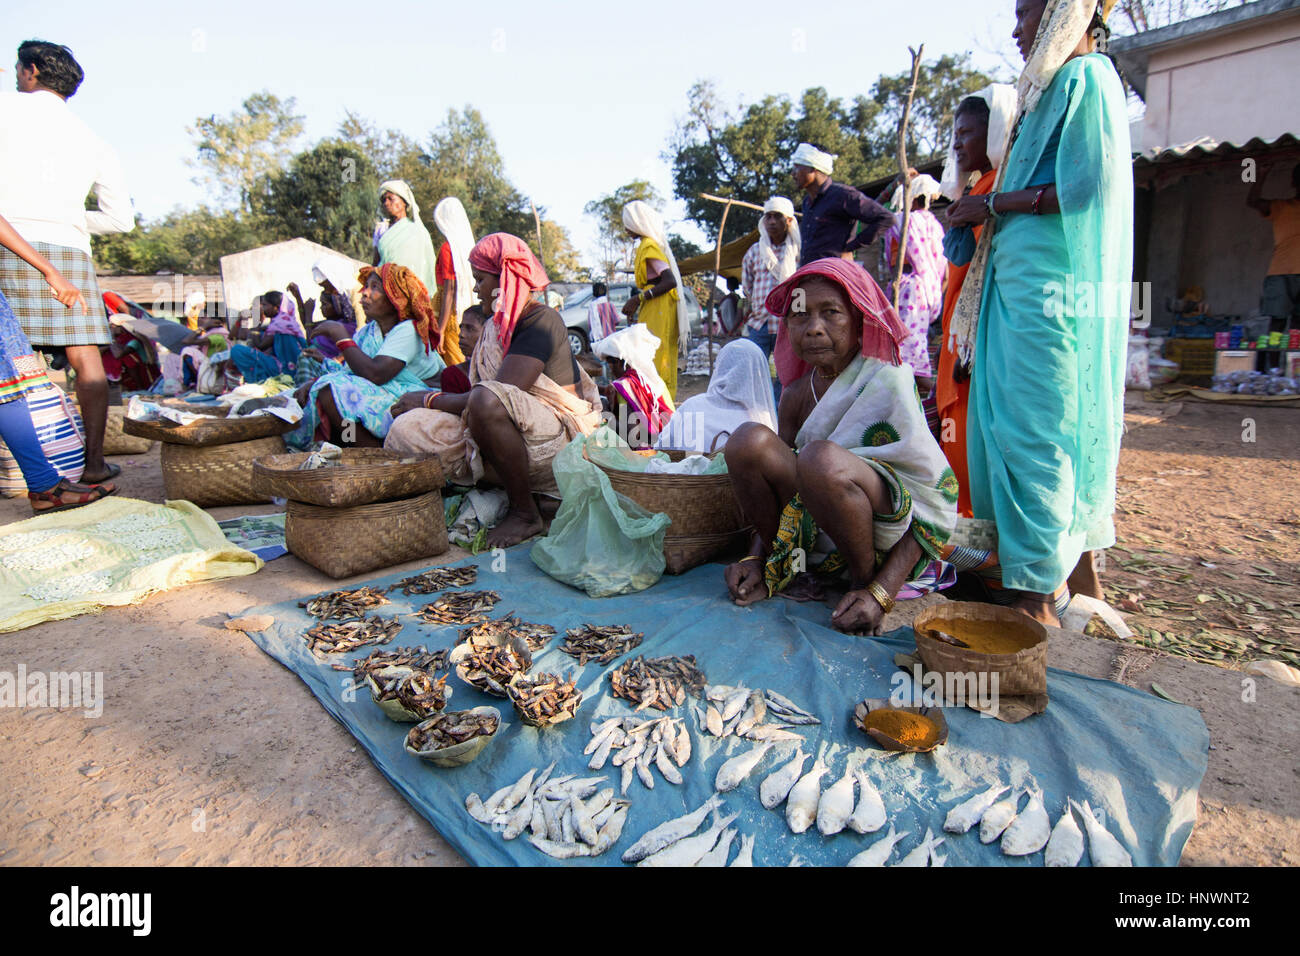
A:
749	443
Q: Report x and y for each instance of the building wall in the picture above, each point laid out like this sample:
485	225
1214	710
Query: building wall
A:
1203	234
1230	87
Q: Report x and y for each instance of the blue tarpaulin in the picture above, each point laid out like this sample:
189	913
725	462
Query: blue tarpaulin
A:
1135	757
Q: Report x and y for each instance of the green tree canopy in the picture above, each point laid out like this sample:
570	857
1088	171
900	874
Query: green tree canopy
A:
237	153
327	195
614	249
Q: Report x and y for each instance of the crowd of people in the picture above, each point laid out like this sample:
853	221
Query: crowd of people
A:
869	458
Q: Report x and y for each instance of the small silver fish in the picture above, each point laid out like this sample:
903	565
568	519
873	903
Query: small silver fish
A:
835	805
582	824
776	785
1029	831
773	733
878	852
1103	848
714	721
682	746
754	714
474	804
718	855
629	771
561	851
670	832
602	752
665	765
746	855
735	703
869	815
801	804
521	787
967	813
1065	846
997	818
519	818
718	692
920	856
687	852
731	773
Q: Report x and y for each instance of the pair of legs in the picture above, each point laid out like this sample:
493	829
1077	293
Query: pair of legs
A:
504	449
1082	580
92	397
332	418
840	490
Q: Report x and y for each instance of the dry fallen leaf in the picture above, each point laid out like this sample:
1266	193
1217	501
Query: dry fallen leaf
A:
253	622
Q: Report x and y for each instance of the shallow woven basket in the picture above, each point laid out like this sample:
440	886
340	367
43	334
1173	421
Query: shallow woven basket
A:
218	430
1021	673
211	475
116	441
346	541
702	508
366	475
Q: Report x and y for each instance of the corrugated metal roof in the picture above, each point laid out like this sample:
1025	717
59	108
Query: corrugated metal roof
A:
1208	148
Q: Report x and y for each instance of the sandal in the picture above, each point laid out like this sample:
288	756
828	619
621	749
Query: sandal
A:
56	499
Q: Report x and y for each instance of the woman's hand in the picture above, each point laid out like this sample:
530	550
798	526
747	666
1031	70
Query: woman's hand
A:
968	211
331	330
858	613
407	402
631	305
65	291
745	580
301	393
313	352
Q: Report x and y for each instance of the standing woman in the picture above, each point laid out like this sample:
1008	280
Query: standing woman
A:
979	143
454	277
920	276
404	241
1043	314
661	305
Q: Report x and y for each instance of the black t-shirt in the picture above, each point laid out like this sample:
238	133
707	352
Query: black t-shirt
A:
541	334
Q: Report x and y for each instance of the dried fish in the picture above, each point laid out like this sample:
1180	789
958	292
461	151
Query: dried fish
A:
878	852
920	855
997	818
601	643
1065	846
1103	848
459	608
670	832
801	804
416	658
969	812
326	638
552	811
741	711
545	699
660	682
417	694
344	604
489	667
688	851
746	855
437	579
1029	831
776	785
869	815
451	729
718	855
731	773
836	805
534	635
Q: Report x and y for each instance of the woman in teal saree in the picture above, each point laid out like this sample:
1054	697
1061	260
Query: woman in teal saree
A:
1044	333
405	241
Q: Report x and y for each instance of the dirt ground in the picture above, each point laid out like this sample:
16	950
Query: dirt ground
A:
209	752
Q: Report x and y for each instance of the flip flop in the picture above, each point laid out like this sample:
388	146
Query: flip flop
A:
113	472
56	494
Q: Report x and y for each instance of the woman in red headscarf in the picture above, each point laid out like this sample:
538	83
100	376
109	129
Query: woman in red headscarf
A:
853	481
529	398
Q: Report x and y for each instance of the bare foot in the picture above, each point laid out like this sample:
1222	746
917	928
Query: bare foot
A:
1043	611
517	526
105	471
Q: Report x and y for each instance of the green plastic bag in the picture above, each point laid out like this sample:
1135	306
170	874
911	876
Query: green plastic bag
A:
600	541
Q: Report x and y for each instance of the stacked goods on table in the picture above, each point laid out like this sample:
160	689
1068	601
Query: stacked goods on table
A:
207	449
357	509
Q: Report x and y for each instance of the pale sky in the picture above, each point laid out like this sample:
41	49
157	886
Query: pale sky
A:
581	96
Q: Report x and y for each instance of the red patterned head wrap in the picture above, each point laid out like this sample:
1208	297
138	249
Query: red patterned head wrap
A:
882	330
409	297
509	257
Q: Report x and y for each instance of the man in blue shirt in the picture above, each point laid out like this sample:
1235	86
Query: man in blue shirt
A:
830	209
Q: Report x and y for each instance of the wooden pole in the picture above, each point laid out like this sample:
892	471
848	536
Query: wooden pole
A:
537	221
736	202
717	271
904	178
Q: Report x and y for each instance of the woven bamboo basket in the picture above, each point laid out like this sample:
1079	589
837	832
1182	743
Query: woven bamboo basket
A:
365	476
705	517
117	441
211	475
1023	672
218	430
346	541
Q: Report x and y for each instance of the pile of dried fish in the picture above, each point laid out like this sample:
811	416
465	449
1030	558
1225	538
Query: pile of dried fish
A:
416	692
417	658
639	745
565	817
600	642
743	712
491	667
535	635
545	699
657	681
436	579
451	729
344	604
327	638
1024	832
672	843
831	809
459	607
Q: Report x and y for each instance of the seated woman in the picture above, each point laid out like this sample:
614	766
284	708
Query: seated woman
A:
529	399
634	383
740	391
852	469
273	350
455	378
393	353
322	355
210	339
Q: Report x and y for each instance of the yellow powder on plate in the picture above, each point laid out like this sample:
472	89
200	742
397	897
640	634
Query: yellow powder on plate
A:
909	729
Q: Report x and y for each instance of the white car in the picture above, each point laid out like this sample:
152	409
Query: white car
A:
575	313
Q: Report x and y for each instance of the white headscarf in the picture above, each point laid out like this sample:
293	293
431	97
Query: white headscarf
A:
923	185
337	273
195	301
450	218
783	268
644	220
811	156
402	189
1001	100
636	346
740	391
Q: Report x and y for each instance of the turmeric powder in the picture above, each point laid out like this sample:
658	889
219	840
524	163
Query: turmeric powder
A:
987	637
911	730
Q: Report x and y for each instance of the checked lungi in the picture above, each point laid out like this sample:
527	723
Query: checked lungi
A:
45	320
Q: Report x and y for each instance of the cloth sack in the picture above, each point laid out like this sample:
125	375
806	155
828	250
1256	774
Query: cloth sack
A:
59	430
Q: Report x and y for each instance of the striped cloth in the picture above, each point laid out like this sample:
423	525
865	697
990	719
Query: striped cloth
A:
59	430
43	318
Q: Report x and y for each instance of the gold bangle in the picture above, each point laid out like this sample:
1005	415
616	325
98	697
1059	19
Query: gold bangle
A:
882	596
750	557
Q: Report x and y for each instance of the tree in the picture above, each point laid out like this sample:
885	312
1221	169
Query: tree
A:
238	152
327	195
940	85
613	246
562	262
190	241
1137	16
